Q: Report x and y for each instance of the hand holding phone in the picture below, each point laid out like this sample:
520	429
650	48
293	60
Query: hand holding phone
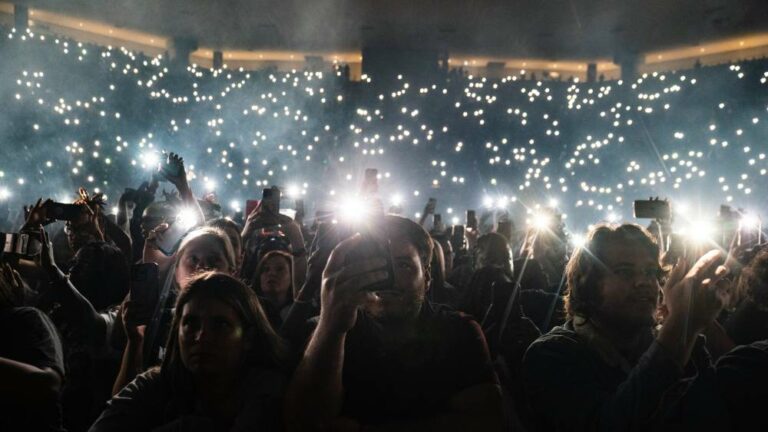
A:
374	246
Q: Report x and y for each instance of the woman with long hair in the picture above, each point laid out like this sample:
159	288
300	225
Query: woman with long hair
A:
221	371
147	326
273	283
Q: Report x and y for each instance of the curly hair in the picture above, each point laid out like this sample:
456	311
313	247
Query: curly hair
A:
585	269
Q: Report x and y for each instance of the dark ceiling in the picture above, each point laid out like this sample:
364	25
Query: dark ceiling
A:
553	29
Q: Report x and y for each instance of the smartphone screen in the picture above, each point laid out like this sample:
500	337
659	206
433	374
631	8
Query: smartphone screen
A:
171	238
471	219
372	247
65	212
145	286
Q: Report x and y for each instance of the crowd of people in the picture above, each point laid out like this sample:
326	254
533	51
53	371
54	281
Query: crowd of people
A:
164	314
100	116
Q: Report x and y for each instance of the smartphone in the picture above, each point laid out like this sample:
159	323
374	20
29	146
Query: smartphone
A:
171	239
145	283
652	209
431	205
471	220
250	205
270	198
437	221
145	287
371	247
64	212
457	237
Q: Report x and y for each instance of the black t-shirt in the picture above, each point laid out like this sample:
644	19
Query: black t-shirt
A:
28	336
418	378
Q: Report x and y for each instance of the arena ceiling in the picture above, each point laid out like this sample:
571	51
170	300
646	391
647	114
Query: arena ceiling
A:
553	29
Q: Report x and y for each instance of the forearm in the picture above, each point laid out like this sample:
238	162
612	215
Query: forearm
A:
678	339
130	366
190	202
299	263
299	273
79	310
22	381
316	390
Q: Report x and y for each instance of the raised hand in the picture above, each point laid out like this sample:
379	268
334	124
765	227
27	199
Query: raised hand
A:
343	289
695	296
36	215
173	171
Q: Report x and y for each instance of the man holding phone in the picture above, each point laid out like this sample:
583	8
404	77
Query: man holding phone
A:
382	357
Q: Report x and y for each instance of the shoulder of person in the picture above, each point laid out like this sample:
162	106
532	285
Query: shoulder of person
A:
27	314
148	386
561	341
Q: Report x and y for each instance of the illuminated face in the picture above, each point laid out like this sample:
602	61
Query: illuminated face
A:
275	279
411	282
211	337
201	254
629	290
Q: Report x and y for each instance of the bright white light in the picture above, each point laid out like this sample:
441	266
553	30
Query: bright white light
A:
455	220
612	217
699	231
210	185
293	191
353	209
150	159
4	194
396	199
681	208
501	203
578	241
553	202
115	210
541	220
488	202
187	218
749	221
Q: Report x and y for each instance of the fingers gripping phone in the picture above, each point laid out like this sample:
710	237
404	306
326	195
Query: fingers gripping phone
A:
373	246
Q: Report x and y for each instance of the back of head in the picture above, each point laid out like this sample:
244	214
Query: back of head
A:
493	251
586	267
